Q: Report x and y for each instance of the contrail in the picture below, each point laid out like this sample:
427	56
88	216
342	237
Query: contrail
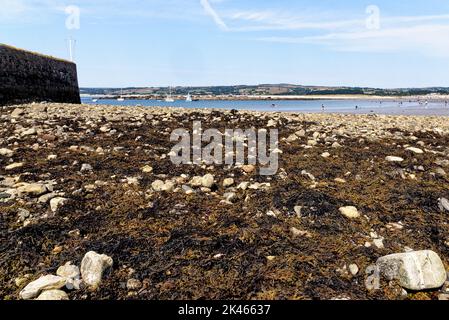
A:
211	12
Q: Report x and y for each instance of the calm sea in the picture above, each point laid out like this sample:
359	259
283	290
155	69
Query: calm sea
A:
338	106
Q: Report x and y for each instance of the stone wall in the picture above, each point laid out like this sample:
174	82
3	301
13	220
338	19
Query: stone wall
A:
27	76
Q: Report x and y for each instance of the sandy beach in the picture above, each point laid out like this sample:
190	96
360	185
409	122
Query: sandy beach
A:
350	189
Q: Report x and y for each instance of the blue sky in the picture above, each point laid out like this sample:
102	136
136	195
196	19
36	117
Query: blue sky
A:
121	43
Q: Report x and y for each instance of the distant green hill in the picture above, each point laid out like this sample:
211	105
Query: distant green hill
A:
267	89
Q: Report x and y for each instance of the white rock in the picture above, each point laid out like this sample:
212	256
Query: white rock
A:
35	189
336	145
326	155
354	269
147	169
196	181
13	166
133	284
230	196
17	113
29	132
298	210
379	243
416	270
394	159
228	182
86	167
6	152
292	138
207	181
443	204
92	267
415	150
158	185
53	295
68	271
350	212
243	185
43	283
57	203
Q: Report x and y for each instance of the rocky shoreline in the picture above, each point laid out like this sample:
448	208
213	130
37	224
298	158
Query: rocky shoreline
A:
91	207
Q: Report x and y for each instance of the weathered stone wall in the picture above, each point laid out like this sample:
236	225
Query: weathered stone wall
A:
27	76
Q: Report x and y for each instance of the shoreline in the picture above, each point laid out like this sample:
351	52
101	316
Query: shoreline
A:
435	98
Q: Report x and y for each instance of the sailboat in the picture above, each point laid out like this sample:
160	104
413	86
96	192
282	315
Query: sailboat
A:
169	98
121	99
189	98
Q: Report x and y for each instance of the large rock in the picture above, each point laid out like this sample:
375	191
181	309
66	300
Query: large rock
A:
48	282
416	270
92	267
53	295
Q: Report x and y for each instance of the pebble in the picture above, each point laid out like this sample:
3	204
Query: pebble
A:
57	203
133	284
147	169
300	233
415	150
416	270
43	283
93	266
443	204
228	182
6	152
208	181
350	212
336	145
86	167
298	210
326	155
29	132
394	159
230	196
17	113
379	243
354	269
243	185
53	295
13	166
249	168
33	189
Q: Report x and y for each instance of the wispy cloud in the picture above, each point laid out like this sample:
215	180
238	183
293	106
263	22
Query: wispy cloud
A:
214	15
425	39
